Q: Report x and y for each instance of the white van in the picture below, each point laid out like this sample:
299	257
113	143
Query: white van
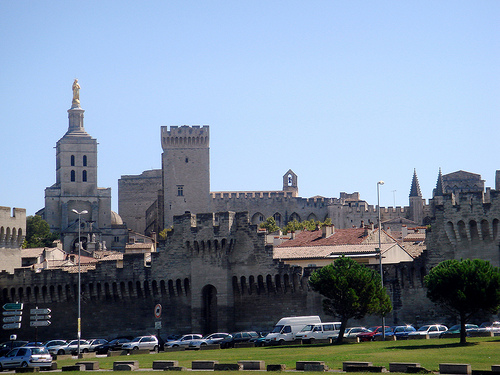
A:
287	328
319	331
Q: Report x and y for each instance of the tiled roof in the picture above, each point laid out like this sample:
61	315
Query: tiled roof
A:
32	253
322	252
350	236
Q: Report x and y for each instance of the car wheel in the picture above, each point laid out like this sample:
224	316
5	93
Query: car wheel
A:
60	352
136	348
155	348
281	342
85	350
175	346
203	344
24	364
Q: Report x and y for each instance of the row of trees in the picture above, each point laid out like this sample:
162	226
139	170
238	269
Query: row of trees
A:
294	225
352	290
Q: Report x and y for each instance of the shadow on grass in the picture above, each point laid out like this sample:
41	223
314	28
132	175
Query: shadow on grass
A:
429	346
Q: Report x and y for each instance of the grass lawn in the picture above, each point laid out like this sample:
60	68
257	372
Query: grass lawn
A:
480	353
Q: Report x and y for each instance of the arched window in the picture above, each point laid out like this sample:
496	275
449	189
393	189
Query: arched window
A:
72	176
84	176
84	160
72	160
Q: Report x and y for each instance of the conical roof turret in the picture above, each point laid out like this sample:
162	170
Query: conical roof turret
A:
438	191
415	186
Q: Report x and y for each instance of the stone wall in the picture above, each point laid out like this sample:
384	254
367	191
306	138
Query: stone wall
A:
12	234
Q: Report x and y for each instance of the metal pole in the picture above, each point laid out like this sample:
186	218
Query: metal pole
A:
380	250
79	334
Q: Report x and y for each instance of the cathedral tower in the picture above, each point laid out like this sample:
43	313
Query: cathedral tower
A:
76	188
186	170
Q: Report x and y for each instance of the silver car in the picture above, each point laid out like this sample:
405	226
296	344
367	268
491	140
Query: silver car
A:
26	356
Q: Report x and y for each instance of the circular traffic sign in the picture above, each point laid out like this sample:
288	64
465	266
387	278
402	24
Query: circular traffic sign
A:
157	311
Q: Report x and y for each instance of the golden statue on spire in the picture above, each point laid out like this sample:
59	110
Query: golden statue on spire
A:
76	94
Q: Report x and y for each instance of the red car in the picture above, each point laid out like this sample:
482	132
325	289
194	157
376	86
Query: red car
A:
368	336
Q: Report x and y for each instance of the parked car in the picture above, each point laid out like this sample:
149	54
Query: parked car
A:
96	342
183	341
318	331
213	338
71	347
142	342
489	326
49	344
173	337
237	337
354	331
453	330
261	340
401	332
433	330
368	336
26	356
32	343
7	346
115	344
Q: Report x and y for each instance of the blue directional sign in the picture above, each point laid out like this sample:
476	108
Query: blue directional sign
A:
13	306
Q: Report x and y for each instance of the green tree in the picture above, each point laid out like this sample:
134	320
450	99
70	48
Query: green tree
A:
310	225
352	290
38	233
270	225
464	287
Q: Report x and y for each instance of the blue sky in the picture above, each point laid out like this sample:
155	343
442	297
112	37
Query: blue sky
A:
344	93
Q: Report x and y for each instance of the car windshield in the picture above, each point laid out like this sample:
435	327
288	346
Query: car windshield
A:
372	329
308	327
455	327
423	328
137	339
277	329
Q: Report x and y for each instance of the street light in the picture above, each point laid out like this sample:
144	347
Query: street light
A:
380	250
79	275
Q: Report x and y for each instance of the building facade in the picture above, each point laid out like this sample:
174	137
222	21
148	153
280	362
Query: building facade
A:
12	234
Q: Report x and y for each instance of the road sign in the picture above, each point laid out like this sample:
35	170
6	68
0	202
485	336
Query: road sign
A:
13	306
12	326
158	325
10	313
157	311
40	311
40	317
40	323
12	319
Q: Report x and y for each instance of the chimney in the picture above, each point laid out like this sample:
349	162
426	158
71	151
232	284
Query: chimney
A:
327	231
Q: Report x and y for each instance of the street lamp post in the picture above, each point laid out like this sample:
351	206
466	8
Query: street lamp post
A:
380	250
79	335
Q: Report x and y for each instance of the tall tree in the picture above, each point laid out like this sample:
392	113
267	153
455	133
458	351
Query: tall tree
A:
38	233
352	290
464	287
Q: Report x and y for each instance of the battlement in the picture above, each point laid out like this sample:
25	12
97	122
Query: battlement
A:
185	136
12	227
257	195
221	223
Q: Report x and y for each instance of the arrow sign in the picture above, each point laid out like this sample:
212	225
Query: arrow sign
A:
13	306
12	326
40	311
9	313
40	317
40	323
12	319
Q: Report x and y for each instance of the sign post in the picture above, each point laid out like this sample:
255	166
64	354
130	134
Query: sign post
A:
157	313
39	318
12	315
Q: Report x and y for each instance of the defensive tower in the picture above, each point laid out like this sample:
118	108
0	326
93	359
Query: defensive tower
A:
186	165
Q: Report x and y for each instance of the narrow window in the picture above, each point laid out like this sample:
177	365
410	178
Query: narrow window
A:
84	176
84	160
72	160
73	176
180	190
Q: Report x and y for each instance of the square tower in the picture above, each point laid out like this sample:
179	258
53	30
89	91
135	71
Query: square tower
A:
186	170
